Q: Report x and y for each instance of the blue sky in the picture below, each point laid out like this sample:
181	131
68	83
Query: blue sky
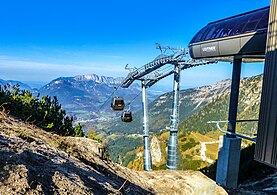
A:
42	40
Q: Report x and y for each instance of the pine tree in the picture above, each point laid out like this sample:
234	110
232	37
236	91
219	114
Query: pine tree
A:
46	112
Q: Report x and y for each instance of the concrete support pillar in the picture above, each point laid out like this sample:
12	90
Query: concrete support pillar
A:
229	152
228	161
147	160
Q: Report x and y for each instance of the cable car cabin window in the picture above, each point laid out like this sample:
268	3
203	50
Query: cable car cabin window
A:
119	102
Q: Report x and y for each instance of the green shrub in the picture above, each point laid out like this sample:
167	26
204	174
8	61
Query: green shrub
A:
45	112
119	147
78	132
190	144
92	134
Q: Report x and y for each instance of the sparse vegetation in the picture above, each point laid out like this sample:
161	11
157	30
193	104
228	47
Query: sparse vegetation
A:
119	147
190	143
187	163
92	134
44	112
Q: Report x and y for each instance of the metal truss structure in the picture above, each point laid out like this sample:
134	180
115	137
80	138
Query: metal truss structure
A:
149	74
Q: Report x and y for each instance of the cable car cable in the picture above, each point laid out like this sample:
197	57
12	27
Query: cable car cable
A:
134	98
126	115
112	94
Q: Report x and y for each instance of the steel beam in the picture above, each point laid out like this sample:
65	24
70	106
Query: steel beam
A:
234	96
147	161
172	149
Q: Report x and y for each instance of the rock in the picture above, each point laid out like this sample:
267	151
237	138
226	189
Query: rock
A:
156	152
36	168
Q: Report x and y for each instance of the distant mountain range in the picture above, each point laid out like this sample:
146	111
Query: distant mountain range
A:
84	97
11	82
88	97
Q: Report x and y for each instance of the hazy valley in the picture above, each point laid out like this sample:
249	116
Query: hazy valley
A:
197	140
87	99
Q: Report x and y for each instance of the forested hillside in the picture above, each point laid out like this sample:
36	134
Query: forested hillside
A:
191	101
209	103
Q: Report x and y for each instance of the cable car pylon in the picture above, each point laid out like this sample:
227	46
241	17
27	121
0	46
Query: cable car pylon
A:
147	160
172	148
148	75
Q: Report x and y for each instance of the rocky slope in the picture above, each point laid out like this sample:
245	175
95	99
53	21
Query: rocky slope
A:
33	161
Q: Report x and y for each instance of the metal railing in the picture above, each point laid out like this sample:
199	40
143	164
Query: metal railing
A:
235	134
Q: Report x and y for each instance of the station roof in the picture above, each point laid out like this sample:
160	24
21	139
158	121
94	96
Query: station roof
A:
240	24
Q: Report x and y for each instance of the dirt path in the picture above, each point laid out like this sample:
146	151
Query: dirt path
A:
203	150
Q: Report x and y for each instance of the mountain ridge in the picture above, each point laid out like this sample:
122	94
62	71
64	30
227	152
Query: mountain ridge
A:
202	104
83	96
100	79
13	82
191	100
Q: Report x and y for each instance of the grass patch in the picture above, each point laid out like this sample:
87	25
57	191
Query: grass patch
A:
212	151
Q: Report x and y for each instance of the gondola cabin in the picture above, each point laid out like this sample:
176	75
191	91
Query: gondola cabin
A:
117	103
126	116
